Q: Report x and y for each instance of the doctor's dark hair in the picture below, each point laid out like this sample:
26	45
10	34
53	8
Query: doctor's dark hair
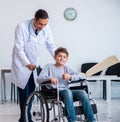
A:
41	14
61	49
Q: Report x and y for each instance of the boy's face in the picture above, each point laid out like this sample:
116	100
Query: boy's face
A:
61	58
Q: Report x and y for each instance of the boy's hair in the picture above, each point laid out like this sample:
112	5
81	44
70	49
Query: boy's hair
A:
61	49
41	14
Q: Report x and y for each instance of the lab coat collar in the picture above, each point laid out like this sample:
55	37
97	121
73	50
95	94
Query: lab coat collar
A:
43	30
31	22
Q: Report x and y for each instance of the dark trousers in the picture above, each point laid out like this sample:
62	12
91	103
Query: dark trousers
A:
23	93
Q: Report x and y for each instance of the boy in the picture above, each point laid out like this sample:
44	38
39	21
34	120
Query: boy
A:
60	74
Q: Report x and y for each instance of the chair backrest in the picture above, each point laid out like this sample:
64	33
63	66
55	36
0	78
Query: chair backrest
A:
113	70
86	66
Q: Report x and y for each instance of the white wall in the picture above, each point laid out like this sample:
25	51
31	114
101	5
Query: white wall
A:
93	36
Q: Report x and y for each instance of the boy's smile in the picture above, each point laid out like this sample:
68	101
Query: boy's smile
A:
61	58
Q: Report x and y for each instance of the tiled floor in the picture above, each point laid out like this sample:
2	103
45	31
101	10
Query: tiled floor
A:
9	111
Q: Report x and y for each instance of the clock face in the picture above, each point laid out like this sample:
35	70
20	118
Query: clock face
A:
70	14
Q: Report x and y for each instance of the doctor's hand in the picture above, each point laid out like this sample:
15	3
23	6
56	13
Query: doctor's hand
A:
54	81
31	66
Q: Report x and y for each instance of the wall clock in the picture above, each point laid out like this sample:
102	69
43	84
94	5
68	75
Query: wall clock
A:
70	14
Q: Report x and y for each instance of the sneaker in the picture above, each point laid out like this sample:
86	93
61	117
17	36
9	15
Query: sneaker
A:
79	119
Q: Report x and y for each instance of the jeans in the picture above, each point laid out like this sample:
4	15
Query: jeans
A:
68	96
23	93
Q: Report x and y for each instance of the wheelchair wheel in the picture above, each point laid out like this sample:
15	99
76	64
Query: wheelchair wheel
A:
36	108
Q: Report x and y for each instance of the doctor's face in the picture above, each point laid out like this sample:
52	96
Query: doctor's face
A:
40	23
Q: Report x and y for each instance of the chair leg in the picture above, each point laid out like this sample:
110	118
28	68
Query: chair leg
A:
11	90
13	94
17	96
104	89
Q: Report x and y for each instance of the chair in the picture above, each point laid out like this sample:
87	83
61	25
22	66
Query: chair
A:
5	71
87	66
114	70
45	101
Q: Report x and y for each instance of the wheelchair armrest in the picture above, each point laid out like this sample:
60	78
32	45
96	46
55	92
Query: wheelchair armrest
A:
77	81
45	83
82	84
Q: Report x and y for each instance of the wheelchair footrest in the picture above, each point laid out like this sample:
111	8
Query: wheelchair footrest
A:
79	109
94	107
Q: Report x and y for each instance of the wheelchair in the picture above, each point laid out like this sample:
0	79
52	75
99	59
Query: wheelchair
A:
46	105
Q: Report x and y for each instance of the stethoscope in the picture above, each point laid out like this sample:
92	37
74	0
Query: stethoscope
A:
29	33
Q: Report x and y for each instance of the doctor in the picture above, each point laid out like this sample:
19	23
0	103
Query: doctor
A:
30	36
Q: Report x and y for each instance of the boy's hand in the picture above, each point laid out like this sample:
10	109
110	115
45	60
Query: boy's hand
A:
66	76
54	81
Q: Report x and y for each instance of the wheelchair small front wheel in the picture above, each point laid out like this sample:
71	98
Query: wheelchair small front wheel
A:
36	108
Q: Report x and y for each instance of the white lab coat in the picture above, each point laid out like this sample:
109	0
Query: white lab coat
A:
27	47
